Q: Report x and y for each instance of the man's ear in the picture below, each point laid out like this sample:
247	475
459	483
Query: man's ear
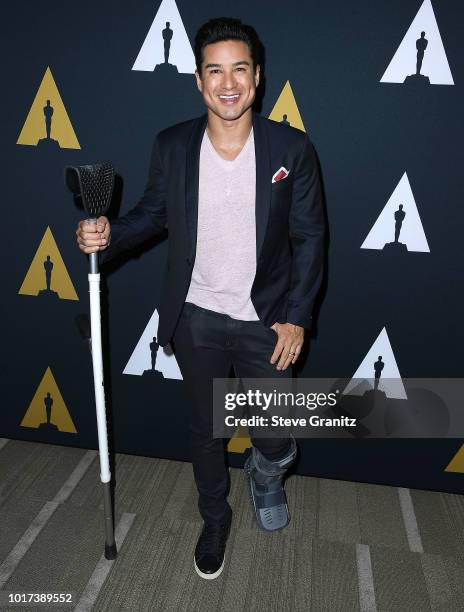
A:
257	74
199	81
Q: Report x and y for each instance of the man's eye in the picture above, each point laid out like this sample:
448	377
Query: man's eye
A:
215	70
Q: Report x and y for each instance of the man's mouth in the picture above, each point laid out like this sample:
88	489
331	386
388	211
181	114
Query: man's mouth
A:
229	99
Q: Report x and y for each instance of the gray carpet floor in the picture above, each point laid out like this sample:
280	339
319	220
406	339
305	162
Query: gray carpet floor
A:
349	546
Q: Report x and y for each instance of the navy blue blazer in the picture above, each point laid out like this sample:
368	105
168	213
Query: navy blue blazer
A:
290	223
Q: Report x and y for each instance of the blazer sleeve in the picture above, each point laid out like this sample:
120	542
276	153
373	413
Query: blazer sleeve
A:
307	233
147	218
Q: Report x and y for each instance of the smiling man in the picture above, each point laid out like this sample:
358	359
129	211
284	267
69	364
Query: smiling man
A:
241	197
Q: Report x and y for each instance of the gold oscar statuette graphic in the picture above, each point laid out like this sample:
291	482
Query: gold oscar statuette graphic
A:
47	410
240	441
48	125
457	462
286	110
47	276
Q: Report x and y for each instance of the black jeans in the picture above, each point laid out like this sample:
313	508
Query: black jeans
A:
207	344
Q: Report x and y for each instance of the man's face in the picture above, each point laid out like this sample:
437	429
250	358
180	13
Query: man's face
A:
228	82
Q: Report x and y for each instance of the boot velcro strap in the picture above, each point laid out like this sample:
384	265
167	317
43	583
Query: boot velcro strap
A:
272	468
269	500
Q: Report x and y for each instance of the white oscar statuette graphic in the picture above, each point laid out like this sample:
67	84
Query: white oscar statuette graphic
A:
148	358
420	58
166	48
379	360
398	227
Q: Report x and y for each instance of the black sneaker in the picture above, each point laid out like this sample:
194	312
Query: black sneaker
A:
209	552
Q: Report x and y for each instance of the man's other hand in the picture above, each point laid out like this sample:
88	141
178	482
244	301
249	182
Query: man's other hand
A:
290	340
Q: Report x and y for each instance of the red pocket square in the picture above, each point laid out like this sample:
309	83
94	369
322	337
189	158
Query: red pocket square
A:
281	173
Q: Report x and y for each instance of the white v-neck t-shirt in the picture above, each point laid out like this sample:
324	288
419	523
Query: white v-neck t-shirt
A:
225	261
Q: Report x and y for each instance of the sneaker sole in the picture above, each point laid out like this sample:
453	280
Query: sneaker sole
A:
208	576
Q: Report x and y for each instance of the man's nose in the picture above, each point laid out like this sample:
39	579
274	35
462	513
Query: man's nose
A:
228	80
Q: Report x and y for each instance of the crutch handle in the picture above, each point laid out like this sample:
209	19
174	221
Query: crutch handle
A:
93	259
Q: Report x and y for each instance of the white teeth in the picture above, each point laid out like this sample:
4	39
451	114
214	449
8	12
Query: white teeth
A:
229	97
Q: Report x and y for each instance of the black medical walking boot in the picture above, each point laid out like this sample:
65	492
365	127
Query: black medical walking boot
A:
265	487
209	552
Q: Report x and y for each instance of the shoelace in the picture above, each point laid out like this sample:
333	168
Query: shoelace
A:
212	538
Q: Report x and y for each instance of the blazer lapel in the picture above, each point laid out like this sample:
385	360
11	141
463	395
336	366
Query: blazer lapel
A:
263	180
192	179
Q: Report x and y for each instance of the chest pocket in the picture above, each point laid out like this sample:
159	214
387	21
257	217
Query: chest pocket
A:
282	184
281	191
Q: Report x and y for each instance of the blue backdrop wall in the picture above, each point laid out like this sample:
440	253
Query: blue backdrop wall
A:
385	133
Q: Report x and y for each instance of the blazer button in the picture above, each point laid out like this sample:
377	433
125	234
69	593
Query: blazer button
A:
189	261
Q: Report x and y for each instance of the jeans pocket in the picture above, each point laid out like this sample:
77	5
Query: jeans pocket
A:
270	335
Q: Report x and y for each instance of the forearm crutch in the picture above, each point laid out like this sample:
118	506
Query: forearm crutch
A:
94	184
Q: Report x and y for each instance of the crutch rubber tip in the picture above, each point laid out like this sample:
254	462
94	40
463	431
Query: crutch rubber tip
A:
111	551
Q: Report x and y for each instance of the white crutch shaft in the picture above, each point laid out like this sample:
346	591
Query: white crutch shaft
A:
97	360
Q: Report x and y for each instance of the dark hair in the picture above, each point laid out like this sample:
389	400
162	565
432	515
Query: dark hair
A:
226	28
